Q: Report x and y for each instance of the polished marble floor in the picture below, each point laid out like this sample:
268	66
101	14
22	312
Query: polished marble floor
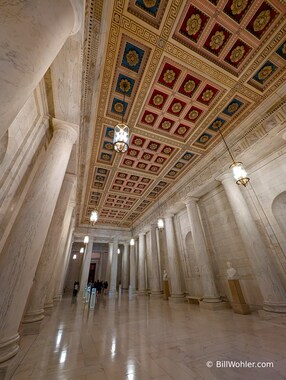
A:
144	338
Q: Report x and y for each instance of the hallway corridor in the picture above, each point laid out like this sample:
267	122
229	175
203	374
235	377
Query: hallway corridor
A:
140	339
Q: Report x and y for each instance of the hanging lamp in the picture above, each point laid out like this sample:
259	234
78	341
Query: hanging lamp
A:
238	171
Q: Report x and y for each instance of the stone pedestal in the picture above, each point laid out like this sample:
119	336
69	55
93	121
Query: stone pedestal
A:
214	305
166	290
239	305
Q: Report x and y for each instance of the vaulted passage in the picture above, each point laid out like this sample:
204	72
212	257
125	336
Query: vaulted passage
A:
143	165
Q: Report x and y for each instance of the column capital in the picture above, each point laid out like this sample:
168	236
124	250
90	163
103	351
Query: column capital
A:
227	176
142	234
78	10
190	199
69	177
70	130
169	215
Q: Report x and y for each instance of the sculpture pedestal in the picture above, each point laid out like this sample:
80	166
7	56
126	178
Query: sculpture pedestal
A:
238	305
166	290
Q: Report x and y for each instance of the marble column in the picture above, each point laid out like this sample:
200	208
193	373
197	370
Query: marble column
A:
155	279
62	262
272	290
125	267
24	244
34	312
210	293
109	262
141	265
86	265
113	272
132	260
174	270
31	35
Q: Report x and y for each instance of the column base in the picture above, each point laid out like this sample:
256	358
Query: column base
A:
49	308
57	298
215	305
177	298
156	294
142	293
112	293
275	307
277	318
32	321
9	348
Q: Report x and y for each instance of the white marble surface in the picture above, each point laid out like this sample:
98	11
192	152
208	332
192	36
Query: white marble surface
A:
146	339
270	285
204	265
155	270
21	252
32	33
141	264
173	261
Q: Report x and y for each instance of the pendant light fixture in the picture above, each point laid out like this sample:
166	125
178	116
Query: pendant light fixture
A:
238	171
121	130
132	240
160	221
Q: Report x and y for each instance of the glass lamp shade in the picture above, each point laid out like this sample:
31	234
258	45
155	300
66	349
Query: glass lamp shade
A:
239	173
132	241
74	257
118	251
86	239
121	138
93	217
160	223
81	250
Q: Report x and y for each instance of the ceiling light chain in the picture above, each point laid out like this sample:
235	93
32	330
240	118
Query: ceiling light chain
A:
238	171
121	130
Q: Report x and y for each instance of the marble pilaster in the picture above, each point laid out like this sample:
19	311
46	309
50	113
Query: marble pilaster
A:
141	264
32	34
177	294
23	247
113	271
272	290
210	293
34	312
125	267
155	279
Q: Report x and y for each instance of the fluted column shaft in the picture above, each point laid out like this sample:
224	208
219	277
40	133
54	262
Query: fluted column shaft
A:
86	264
125	267
141	264
210	293
271	288
132	269
31	35
109	262
113	273
35	310
23	247
155	280
174	275
62	260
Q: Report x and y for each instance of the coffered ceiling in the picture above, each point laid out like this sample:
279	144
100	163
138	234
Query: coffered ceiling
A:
189	67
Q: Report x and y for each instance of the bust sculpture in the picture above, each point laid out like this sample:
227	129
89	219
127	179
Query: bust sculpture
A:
165	275
231	272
